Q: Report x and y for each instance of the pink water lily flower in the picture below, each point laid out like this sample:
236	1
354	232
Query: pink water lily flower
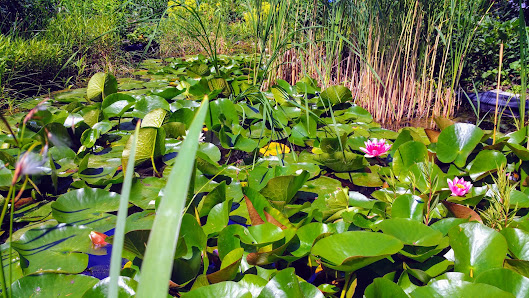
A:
375	148
459	187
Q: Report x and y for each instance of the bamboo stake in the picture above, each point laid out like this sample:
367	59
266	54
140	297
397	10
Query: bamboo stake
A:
497	96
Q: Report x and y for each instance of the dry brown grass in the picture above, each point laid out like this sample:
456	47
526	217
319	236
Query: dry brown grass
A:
407	88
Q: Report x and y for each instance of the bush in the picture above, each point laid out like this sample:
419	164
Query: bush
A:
485	55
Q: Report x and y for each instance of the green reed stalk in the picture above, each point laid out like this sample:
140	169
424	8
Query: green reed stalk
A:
523	60
159	254
497	96
119	232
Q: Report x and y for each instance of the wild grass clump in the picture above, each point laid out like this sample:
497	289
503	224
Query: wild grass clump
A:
23	63
72	40
223	22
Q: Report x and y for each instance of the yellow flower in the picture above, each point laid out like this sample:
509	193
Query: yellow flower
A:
274	149
251	16
317	150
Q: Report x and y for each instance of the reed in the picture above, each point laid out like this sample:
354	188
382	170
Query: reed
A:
401	65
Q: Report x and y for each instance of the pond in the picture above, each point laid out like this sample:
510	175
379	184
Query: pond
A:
294	191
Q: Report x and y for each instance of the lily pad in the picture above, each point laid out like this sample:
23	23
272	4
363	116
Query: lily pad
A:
52	285
350	251
410	232
87	206
101	85
506	280
457	141
448	288
477	248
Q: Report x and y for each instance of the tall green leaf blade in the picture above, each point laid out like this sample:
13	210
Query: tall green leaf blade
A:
156	269
119	235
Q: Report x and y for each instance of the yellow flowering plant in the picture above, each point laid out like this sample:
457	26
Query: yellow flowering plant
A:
274	149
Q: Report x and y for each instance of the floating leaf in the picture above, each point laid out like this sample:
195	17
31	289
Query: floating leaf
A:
222	289
448	288
284	284
87	206
477	248
408	206
151	144
280	190
457	141
383	287
229	267
410	232
486	161
350	251
54	248
149	103
518	242
101	85
116	104
506	280
52	285
407	155
336	94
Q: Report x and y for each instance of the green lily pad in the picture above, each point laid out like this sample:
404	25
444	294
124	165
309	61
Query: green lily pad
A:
151	144
101	85
457	141
383	287
448	288
486	161
54	248
148	103
410	232
283	284
87	206
518	242
281	190
342	161
144	192
506	280
116	104
222	289
408	206
477	248
52	285
336	94
229	267
126	288
350	251
407	155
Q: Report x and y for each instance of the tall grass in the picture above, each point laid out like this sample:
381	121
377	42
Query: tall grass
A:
401	59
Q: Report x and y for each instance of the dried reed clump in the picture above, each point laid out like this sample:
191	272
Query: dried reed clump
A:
398	75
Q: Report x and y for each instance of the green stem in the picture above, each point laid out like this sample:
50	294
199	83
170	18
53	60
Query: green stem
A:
11	227
2	276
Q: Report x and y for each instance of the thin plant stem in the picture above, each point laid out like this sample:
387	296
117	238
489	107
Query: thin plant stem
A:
497	96
11	216
4	209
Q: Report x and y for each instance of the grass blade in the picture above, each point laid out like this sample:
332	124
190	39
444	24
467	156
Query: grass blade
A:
119	232
523	60
159	255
